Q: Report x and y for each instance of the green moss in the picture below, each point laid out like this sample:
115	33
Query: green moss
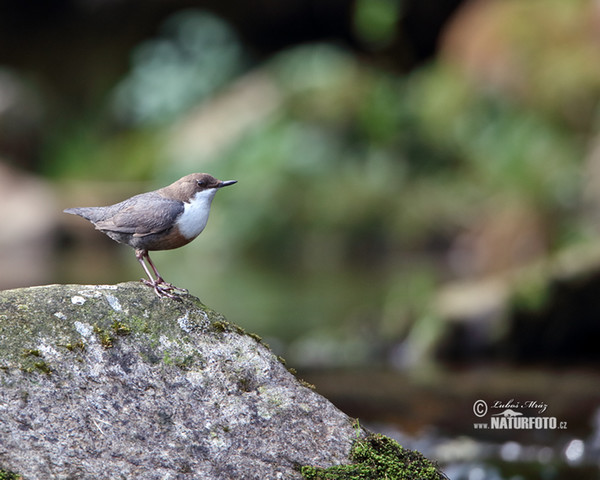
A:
256	337
183	362
34	362
105	339
139	324
246	384
72	347
304	383
220	326
120	328
223	326
31	353
5	475
377	457
356	426
42	367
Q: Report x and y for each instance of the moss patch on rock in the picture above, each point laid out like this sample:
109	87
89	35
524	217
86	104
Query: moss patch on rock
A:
378	457
4	475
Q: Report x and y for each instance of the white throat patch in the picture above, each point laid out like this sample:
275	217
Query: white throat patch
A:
195	214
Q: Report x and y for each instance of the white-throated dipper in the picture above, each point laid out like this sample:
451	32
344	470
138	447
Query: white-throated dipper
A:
167	218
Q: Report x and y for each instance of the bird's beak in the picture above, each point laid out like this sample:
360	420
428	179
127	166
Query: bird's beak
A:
226	182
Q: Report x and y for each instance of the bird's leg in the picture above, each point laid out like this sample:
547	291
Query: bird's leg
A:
160	280
140	254
161	287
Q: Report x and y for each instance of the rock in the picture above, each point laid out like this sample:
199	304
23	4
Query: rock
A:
112	382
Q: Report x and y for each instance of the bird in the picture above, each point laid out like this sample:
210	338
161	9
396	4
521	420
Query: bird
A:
163	219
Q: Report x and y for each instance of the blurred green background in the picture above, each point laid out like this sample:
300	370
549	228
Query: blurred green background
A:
418	182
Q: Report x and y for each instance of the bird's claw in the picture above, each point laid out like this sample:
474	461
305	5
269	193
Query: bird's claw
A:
164	289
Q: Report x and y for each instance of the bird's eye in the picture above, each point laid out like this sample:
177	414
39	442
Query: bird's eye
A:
200	183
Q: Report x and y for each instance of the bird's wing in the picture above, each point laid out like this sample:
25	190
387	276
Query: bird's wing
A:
141	215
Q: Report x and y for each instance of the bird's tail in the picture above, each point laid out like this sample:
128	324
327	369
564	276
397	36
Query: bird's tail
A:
86	212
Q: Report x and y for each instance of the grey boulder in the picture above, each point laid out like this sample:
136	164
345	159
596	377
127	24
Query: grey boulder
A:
112	382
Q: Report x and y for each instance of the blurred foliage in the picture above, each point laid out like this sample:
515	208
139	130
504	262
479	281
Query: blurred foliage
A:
192	57
376	20
503	146
352	191
557	56
91	150
356	188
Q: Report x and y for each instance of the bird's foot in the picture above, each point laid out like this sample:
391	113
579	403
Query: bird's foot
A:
164	289
170	286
